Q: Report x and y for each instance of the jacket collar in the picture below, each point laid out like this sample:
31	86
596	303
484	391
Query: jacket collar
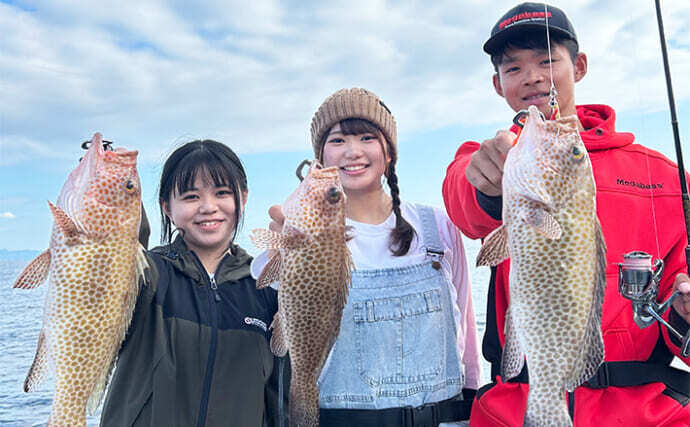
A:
600	133
234	265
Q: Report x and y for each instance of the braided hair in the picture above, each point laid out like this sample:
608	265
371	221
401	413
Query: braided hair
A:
403	232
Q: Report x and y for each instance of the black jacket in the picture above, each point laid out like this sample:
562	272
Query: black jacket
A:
197	352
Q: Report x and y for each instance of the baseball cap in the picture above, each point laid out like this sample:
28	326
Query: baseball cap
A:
528	16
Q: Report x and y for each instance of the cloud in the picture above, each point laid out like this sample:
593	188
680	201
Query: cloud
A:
251	74
7	215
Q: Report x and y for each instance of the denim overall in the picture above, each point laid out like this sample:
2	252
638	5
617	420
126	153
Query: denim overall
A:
397	343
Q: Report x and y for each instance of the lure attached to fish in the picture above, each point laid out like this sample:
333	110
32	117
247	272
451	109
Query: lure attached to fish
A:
312	264
557	256
93	265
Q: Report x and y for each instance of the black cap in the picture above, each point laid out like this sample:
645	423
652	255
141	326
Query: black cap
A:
528	16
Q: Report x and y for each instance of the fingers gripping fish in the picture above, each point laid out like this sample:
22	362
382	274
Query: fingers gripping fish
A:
312	264
93	265
557	253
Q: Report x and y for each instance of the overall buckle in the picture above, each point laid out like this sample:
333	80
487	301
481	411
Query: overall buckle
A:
422	416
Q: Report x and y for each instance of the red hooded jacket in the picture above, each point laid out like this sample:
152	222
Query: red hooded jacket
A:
639	207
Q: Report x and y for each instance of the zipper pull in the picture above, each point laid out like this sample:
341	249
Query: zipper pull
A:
214	287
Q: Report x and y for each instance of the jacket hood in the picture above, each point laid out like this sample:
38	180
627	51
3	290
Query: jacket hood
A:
600	133
233	266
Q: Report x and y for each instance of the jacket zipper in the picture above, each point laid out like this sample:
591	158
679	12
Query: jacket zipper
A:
208	377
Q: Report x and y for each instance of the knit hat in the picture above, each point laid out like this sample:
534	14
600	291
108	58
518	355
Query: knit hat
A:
355	103
528	16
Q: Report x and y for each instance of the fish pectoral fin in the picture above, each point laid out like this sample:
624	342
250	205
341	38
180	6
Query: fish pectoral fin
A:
494	250
271	272
513	358
267	239
278	344
544	223
67	226
35	273
142	264
39	368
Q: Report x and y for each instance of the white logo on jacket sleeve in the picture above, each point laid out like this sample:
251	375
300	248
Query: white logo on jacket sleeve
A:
256	322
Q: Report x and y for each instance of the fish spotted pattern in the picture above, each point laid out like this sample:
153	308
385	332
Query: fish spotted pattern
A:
557	253
93	264
313	266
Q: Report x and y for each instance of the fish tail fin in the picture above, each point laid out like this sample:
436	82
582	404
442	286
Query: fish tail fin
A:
39	367
35	273
592	344
495	248
513	358
304	404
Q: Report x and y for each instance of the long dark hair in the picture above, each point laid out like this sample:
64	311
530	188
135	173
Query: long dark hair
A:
210	158
403	233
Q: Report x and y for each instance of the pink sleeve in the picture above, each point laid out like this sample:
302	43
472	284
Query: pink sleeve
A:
468	343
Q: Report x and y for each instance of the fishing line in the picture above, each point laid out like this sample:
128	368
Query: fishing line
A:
649	169
553	93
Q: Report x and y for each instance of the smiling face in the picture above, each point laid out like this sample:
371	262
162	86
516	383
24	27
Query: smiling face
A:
206	213
523	78
361	159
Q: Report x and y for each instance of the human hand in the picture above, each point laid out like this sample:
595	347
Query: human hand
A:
682	303
277	218
485	170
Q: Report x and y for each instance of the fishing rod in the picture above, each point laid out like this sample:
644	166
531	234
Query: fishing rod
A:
637	280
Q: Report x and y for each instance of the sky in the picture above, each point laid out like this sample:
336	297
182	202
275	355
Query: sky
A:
151	75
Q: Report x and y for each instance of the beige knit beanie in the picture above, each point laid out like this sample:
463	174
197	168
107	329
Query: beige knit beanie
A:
355	103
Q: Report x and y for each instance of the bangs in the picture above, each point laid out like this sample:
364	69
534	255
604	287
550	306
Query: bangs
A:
357	126
211	169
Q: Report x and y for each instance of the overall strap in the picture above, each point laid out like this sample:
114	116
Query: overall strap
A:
429	233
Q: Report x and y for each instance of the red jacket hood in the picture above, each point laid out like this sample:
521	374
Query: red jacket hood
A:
600	133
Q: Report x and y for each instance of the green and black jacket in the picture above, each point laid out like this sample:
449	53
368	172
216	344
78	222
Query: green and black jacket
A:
197	352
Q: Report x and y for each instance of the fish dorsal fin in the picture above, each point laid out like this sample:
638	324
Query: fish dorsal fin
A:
279	346
593	344
271	272
513	357
267	239
35	273
495	248
40	366
543	222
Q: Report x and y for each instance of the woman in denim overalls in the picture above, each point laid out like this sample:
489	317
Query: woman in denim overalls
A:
408	344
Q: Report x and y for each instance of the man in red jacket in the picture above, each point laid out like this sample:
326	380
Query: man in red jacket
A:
638	204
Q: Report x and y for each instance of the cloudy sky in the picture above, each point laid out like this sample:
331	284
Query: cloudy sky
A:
151	75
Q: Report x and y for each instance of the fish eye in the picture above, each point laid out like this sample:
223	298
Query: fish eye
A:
130	187
577	153
333	195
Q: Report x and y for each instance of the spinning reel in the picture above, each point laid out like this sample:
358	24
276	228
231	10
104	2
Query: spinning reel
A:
639	282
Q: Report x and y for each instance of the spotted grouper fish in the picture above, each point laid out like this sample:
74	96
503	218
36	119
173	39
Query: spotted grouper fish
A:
312	264
557	253
92	265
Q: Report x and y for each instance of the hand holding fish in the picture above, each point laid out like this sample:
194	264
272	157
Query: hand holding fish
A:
277	218
485	171
682	303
